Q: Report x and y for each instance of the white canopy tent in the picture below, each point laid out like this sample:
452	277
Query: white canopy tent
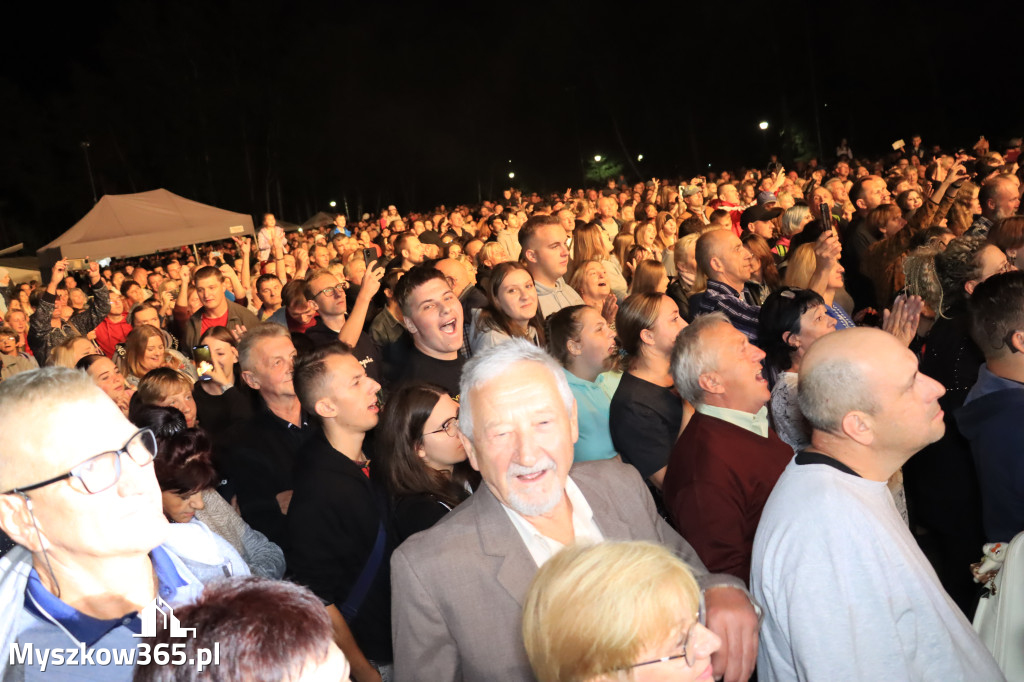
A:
123	225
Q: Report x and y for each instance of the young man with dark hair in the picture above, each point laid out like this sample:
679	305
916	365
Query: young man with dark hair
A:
408	251
990	417
432	314
336	521
217	310
547	258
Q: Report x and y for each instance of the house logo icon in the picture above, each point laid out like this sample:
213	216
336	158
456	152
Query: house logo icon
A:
161	609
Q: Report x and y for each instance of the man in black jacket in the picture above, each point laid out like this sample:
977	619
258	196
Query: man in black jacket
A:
43	334
339	542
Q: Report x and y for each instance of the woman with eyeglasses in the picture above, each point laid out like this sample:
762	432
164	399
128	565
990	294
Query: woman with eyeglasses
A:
617	611
420	457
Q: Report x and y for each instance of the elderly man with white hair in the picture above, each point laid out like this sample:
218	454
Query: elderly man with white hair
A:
456	613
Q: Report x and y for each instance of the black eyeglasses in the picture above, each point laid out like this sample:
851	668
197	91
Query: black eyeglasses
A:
102	471
334	292
450	427
688	652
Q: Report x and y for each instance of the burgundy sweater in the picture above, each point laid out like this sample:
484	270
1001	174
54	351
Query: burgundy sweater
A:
719	477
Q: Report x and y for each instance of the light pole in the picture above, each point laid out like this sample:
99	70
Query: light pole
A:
88	167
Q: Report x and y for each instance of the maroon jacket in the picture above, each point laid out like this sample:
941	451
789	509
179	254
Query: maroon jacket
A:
719	477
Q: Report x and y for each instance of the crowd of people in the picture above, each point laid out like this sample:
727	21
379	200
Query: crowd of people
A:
651	431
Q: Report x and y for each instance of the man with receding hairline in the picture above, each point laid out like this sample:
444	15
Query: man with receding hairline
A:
727	264
79	496
999	199
847	592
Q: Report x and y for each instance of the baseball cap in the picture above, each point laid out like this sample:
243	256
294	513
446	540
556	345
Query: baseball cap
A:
755	213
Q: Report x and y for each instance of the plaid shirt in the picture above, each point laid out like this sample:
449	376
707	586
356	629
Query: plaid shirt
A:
722	297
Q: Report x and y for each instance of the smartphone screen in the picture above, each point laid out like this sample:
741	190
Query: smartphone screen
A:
204	361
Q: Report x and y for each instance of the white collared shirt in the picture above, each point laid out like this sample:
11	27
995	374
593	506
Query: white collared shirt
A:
540	546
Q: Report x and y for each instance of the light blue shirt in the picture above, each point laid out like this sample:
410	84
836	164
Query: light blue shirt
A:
593	403
49	624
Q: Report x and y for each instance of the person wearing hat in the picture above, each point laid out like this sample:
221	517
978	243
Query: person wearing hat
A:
693	197
760	220
767	199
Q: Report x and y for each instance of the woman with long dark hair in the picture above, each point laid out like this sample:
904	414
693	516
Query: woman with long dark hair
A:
513	309
420	458
646	412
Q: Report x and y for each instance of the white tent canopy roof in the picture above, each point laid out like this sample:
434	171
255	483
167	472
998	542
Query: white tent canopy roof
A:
123	225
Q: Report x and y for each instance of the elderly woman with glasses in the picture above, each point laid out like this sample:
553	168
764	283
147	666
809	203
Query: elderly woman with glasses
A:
617	611
420	457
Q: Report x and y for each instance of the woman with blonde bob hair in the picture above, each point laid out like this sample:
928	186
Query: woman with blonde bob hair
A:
616	611
591	243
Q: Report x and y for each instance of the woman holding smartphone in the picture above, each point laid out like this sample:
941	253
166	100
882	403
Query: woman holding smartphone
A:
220	399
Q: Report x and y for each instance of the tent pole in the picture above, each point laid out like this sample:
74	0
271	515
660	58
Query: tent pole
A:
195	252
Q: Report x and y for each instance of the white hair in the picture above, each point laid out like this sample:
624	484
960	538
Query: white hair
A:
691	357
495	361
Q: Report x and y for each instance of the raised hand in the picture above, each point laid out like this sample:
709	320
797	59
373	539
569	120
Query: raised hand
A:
610	308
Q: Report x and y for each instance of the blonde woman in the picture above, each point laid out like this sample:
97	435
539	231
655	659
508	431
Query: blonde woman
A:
617	611
70	351
591	243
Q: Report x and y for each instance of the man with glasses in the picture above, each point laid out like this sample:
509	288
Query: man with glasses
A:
326	295
81	500
518	426
336	522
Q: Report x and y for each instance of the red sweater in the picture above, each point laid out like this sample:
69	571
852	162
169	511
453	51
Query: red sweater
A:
109	334
719	477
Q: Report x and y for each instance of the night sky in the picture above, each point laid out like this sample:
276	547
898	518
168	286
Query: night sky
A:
288	105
